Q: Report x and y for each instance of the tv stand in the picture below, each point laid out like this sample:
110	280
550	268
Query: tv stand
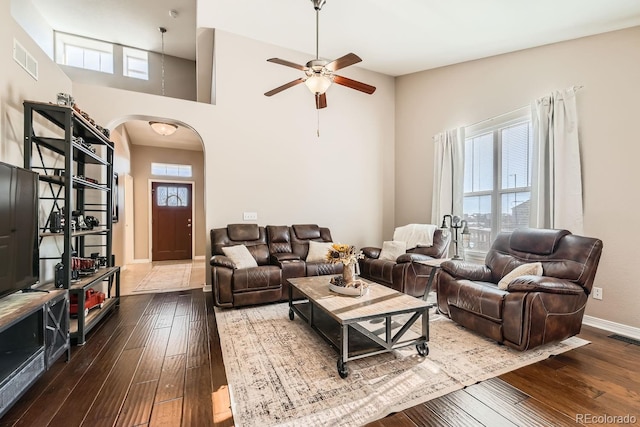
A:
34	333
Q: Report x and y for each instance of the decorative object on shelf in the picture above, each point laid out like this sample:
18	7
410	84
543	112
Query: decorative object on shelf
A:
348	256
456	224
65	99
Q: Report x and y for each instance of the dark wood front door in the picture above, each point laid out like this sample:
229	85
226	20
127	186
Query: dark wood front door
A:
172	222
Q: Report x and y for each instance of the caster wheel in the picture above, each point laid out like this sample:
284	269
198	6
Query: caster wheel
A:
86	312
290	314
423	349
101	305
342	369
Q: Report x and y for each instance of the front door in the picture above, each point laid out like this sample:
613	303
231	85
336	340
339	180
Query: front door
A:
172	222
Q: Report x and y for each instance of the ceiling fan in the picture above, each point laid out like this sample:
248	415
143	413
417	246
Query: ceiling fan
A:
319	74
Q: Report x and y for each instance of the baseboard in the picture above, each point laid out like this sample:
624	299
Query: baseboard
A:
206	288
199	258
140	261
618	328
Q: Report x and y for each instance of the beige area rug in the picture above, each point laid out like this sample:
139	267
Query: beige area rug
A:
280	372
166	278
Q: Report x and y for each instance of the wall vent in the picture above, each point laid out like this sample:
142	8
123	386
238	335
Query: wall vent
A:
25	59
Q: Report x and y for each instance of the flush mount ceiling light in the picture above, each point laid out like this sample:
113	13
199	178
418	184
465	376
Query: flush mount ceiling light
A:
161	128
164	129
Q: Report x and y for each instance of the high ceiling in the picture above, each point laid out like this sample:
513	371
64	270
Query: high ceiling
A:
394	37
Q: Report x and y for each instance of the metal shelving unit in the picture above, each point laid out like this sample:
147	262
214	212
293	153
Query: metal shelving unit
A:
68	187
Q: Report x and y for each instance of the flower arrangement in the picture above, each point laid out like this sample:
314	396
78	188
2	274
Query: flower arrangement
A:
345	254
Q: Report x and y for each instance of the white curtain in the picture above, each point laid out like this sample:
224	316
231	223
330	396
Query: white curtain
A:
556	189
448	174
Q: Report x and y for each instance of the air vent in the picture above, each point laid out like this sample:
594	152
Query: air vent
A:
625	339
25	59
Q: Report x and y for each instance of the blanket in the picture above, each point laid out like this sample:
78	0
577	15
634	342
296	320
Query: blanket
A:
415	235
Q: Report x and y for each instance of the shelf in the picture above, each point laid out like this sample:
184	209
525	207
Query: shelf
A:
80	153
85	282
15	360
95	232
56	114
77	182
94	316
17	305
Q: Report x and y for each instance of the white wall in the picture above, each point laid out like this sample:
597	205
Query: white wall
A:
608	66
262	154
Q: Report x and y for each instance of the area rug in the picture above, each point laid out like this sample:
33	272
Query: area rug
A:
166	278
280	372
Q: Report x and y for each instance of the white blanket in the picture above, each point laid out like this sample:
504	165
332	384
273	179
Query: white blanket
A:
415	234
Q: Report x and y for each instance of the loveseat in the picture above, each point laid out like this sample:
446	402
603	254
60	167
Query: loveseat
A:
278	252
403	273
531	310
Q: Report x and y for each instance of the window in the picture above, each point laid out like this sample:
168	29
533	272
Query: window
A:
168	169
84	53
497	178
172	196
135	63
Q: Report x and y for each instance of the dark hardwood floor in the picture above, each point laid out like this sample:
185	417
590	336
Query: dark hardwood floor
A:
157	361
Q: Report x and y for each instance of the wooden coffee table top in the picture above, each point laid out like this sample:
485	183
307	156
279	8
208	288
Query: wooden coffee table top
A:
378	302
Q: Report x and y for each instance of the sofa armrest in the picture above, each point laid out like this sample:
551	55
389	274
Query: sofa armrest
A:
467	270
551	285
371	252
410	257
222	261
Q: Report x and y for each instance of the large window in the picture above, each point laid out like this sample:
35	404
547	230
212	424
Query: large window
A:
497	178
84	53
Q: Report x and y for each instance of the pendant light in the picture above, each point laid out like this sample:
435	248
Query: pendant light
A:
162	128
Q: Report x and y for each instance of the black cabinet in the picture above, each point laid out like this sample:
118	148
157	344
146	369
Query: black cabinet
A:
74	159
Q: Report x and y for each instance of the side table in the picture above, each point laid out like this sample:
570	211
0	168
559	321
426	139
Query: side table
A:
435	266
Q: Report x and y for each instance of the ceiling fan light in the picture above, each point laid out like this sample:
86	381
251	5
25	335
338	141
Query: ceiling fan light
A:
164	129
318	84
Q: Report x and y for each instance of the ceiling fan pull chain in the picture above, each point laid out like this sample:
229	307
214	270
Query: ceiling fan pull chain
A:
318	126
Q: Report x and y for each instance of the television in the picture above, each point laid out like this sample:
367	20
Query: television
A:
19	252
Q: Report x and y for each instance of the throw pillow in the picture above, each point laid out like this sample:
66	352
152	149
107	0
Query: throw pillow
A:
318	251
531	269
391	250
240	256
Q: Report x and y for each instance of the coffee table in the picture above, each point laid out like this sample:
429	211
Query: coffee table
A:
357	327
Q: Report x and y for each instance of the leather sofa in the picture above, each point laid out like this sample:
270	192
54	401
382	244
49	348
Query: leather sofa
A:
280	253
403	274
532	310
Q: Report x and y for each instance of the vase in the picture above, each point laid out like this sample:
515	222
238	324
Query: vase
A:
349	273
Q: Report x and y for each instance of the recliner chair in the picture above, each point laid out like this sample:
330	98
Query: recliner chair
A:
532	310
403	274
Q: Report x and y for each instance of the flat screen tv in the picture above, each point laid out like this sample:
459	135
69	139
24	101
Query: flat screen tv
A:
19	253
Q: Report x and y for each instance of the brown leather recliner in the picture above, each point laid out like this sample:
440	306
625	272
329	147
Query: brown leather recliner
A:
238	287
403	274
301	235
533	310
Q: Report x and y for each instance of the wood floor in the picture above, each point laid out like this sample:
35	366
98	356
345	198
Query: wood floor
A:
156	361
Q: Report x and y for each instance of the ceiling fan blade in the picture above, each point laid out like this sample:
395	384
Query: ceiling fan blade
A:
353	84
321	100
287	64
284	86
345	61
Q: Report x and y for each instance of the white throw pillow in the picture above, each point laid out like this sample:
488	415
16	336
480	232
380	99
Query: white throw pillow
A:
531	269
240	256
318	251
391	250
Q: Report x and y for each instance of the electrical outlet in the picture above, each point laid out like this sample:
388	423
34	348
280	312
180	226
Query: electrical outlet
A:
250	216
597	293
